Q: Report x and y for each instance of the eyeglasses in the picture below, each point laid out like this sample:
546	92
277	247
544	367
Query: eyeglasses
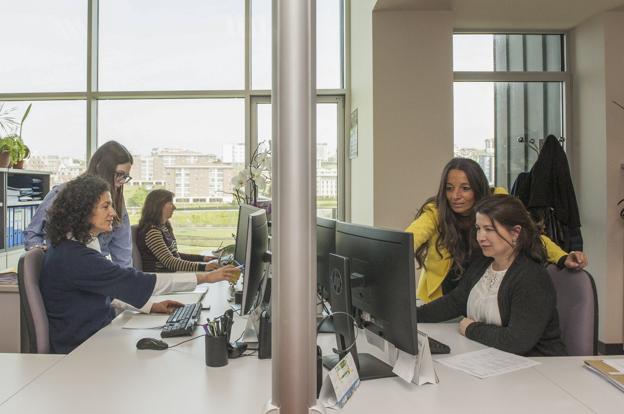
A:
122	176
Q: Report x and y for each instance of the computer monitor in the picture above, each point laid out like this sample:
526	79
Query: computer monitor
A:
378	271
241	232
255	261
325	244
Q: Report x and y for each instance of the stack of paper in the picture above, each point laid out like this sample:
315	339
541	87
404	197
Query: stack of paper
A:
487	362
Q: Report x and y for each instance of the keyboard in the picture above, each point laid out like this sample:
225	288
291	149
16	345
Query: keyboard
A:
182	321
437	347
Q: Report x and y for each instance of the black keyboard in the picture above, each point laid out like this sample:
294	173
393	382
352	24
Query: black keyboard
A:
437	347
182	321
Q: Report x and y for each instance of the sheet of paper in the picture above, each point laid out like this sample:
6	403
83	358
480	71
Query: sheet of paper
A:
487	362
617	363
146	321
185	298
405	366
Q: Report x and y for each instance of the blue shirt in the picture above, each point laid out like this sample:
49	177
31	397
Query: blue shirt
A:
118	243
77	283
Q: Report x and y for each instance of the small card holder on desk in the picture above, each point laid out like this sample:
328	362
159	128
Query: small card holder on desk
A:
417	369
216	351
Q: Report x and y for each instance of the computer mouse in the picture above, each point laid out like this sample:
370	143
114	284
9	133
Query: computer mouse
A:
152	343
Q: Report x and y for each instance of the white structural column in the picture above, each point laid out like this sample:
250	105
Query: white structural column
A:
294	207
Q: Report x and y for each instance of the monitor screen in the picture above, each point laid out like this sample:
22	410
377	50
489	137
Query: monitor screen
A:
383	290
241	232
325	244
257	247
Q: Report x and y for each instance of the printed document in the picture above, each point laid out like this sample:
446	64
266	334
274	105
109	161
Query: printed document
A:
487	362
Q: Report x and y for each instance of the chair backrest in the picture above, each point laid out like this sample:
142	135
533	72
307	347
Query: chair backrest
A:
35	338
137	260
577	303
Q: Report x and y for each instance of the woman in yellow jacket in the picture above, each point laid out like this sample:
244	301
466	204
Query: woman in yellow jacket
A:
443	226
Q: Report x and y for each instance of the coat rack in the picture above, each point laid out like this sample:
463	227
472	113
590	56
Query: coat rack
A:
531	143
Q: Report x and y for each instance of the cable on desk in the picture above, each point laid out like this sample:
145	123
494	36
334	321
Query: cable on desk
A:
186	340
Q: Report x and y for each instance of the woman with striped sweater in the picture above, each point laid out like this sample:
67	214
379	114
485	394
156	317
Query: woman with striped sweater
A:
157	243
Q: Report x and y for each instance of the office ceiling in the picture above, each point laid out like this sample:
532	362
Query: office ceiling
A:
510	14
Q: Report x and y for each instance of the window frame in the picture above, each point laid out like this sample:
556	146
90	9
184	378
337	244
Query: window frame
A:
565	77
92	95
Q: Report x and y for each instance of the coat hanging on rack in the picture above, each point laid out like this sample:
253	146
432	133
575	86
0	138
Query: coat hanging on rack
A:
549	195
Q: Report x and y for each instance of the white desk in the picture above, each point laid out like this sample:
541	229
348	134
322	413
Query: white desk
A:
107	374
17	370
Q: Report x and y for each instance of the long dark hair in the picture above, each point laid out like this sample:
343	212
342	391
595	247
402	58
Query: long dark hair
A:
508	211
151	215
104	163
72	209
450	224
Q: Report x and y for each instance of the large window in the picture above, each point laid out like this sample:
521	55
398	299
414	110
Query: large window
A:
509	94
178	84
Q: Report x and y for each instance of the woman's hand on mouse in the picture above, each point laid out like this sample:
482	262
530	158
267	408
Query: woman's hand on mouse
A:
166	306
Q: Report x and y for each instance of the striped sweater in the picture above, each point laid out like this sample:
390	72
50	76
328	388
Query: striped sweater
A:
159	252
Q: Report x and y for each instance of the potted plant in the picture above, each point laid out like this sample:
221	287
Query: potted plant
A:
18	152
7	124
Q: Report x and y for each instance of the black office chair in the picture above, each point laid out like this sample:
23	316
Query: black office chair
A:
34	327
577	304
137	260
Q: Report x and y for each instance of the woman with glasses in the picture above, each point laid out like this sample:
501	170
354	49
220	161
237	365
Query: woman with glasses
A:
157	243
111	162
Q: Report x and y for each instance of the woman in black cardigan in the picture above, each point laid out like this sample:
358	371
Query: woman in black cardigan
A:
506	295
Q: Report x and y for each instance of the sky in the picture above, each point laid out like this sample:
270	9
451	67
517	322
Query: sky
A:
147	45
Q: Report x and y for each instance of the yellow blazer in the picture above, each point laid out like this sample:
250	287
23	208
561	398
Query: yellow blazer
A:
438	264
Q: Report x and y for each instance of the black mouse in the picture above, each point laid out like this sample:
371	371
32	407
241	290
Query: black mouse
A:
152	343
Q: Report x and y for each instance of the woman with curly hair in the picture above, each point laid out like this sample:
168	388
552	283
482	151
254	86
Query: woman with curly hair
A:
77	282
112	162
156	241
442	227
505	295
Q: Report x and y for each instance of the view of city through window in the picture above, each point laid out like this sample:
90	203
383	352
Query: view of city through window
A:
501	124
189	136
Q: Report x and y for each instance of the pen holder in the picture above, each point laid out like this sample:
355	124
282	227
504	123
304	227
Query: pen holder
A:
216	351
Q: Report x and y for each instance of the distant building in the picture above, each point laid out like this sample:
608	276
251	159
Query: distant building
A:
62	168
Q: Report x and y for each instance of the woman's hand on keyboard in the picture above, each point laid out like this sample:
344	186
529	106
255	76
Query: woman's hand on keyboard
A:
229	273
166	306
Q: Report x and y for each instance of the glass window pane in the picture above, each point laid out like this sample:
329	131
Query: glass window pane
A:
43	46
327	159
501	125
473	52
326	154
329	39
159	45
508	52
194	151
54	131
261	44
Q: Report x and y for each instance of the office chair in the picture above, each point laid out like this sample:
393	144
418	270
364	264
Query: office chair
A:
34	328
577	304
137	260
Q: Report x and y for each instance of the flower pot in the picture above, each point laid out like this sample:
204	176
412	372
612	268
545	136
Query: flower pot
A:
5	159
19	165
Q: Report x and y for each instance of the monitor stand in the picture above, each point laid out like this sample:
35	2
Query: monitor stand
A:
327	326
369	367
250	334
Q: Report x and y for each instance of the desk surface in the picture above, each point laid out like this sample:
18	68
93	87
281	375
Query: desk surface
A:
18	370
108	369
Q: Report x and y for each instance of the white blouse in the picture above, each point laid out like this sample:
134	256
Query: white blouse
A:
483	298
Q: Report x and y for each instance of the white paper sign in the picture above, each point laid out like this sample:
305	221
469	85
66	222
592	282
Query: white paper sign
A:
417	369
340	383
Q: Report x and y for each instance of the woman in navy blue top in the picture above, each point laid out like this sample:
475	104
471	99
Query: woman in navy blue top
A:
77	282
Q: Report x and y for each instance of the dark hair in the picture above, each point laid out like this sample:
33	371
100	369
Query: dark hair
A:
450	224
73	207
104	163
508	211
151	215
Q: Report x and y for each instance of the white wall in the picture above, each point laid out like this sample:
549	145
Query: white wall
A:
362	189
598	67
412	110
